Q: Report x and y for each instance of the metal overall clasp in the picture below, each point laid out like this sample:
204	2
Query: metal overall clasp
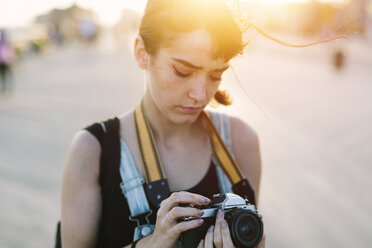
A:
142	231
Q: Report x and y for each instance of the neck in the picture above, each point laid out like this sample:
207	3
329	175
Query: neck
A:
166	131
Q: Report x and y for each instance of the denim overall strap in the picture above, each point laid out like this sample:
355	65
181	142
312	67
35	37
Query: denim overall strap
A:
132	189
132	182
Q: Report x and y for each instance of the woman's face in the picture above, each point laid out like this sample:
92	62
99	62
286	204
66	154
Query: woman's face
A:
183	77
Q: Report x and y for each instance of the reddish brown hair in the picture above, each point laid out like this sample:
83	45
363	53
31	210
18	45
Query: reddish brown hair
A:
164	20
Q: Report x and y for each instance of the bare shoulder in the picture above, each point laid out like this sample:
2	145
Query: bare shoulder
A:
81	200
242	132
245	144
83	156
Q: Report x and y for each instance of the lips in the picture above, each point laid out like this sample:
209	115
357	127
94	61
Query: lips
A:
191	110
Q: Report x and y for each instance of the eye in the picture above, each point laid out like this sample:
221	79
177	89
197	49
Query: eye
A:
180	74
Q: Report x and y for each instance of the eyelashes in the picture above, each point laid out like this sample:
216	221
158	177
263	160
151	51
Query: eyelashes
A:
185	75
180	74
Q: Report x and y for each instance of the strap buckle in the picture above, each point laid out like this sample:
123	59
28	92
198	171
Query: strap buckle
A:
131	184
137	218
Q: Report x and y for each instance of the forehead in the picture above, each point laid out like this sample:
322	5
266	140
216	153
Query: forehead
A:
195	47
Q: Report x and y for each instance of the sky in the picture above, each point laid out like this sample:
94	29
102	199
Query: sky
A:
16	13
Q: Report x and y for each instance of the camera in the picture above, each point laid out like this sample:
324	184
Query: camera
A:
244	221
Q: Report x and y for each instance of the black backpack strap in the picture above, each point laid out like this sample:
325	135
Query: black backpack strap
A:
97	131
110	155
58	243
109	177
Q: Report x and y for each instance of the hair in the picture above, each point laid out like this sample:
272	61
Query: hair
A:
164	20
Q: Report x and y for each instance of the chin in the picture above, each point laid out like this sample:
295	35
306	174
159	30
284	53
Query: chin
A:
184	118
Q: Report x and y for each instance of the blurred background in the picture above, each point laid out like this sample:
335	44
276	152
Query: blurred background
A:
65	64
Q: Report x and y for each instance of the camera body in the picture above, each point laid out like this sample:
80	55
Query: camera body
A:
244	221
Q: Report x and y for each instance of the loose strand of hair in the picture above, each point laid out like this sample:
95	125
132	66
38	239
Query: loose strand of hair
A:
263	33
250	98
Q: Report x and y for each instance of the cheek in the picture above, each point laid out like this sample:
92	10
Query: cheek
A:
165	86
212	89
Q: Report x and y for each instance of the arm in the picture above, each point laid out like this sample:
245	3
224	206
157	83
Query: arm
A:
81	197
245	145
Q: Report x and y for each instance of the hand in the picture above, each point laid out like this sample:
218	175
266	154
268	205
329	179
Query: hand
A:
167	229
219	235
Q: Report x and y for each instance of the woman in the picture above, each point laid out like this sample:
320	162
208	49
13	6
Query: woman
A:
183	47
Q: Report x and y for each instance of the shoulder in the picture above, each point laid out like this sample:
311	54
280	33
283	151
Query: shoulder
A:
85	143
245	145
242	133
83	157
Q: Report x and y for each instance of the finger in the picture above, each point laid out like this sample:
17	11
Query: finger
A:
183	226
208	243
178	212
201	244
226	236
182	197
217	238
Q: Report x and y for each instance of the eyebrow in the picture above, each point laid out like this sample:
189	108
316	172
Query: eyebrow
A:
188	64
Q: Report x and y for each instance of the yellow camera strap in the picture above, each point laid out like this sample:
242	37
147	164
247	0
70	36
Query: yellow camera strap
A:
151	163
222	154
157	188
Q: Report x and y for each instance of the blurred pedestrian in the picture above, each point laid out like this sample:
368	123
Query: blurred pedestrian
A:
7	56
338	59
87	29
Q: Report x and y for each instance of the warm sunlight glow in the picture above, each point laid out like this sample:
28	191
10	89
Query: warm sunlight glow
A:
21	12
291	1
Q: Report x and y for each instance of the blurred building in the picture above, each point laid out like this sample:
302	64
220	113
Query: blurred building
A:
70	23
33	37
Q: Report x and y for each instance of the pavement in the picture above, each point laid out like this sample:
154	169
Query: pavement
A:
314	125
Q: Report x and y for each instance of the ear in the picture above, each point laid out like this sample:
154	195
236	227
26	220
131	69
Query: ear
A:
140	52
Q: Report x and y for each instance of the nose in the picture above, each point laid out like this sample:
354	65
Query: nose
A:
198	90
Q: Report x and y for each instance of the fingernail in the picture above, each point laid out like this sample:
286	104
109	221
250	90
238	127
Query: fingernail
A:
224	223
201	243
220	213
211	228
200	212
206	200
201	221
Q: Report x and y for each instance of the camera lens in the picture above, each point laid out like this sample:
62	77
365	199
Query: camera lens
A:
246	228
